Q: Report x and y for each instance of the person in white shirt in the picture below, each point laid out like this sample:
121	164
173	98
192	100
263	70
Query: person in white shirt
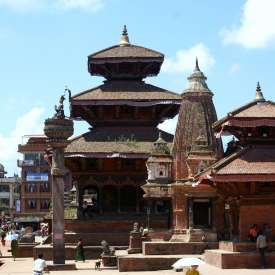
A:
262	246
39	265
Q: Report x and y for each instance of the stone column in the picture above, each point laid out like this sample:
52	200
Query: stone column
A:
58	129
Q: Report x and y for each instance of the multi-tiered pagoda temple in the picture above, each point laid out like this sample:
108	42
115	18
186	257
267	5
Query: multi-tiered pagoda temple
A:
108	163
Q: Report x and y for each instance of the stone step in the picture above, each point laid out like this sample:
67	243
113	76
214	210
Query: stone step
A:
139	262
94	239
236	260
242	246
91	252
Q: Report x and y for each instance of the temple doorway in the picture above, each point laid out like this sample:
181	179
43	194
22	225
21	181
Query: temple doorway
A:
128	199
202	213
109	200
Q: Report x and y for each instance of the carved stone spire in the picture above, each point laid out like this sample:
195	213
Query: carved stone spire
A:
259	95
194	139
124	40
197	80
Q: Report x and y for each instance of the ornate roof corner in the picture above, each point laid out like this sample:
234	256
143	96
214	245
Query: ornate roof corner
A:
259	95
124	40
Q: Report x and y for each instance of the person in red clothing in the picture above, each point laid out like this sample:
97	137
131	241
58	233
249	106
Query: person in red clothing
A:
253	233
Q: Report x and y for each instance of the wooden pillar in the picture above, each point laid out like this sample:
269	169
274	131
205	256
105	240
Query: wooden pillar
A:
118	200
100	200
190	213
137	199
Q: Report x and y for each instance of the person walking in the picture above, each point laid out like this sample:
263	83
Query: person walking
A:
39	265
14	247
79	255
262	246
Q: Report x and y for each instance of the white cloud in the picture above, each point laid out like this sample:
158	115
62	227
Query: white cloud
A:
91	5
257	26
29	123
185	60
38	5
23	5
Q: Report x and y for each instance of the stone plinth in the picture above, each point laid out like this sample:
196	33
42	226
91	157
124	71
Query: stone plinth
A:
135	245
109	261
25	250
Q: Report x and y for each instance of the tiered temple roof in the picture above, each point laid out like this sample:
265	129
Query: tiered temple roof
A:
124	111
253	154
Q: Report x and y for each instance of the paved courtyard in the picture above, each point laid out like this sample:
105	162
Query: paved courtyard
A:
24	267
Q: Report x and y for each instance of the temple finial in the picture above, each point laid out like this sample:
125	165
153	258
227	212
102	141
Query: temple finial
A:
259	95
124	40
197	68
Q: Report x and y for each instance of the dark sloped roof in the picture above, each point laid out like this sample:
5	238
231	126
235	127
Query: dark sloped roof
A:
118	140
126	90
260	110
129	51
246	161
254	110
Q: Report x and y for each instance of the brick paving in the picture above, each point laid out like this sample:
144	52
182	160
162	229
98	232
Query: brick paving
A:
24	267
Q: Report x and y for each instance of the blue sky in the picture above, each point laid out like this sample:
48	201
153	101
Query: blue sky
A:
44	46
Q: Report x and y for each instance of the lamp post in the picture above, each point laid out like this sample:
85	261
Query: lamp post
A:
58	129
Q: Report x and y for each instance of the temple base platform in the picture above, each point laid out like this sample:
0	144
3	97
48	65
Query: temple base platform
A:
140	262
160	255
234	255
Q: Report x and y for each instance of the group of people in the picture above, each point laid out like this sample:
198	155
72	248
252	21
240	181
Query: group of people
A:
262	236
255	231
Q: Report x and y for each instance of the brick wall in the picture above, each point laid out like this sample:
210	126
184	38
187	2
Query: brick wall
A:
259	214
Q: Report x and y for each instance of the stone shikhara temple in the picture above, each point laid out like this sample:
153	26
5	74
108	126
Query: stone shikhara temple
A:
185	188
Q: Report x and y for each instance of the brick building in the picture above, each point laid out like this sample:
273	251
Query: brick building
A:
35	184
9	193
245	176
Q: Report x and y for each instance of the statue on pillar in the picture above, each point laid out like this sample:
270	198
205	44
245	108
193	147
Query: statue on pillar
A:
58	129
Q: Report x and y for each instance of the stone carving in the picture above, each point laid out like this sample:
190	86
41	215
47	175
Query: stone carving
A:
106	249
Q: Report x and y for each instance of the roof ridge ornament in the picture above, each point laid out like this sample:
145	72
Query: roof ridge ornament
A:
124	40
259	95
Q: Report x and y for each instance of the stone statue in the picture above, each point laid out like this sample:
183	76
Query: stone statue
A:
106	250
135	227
59	110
